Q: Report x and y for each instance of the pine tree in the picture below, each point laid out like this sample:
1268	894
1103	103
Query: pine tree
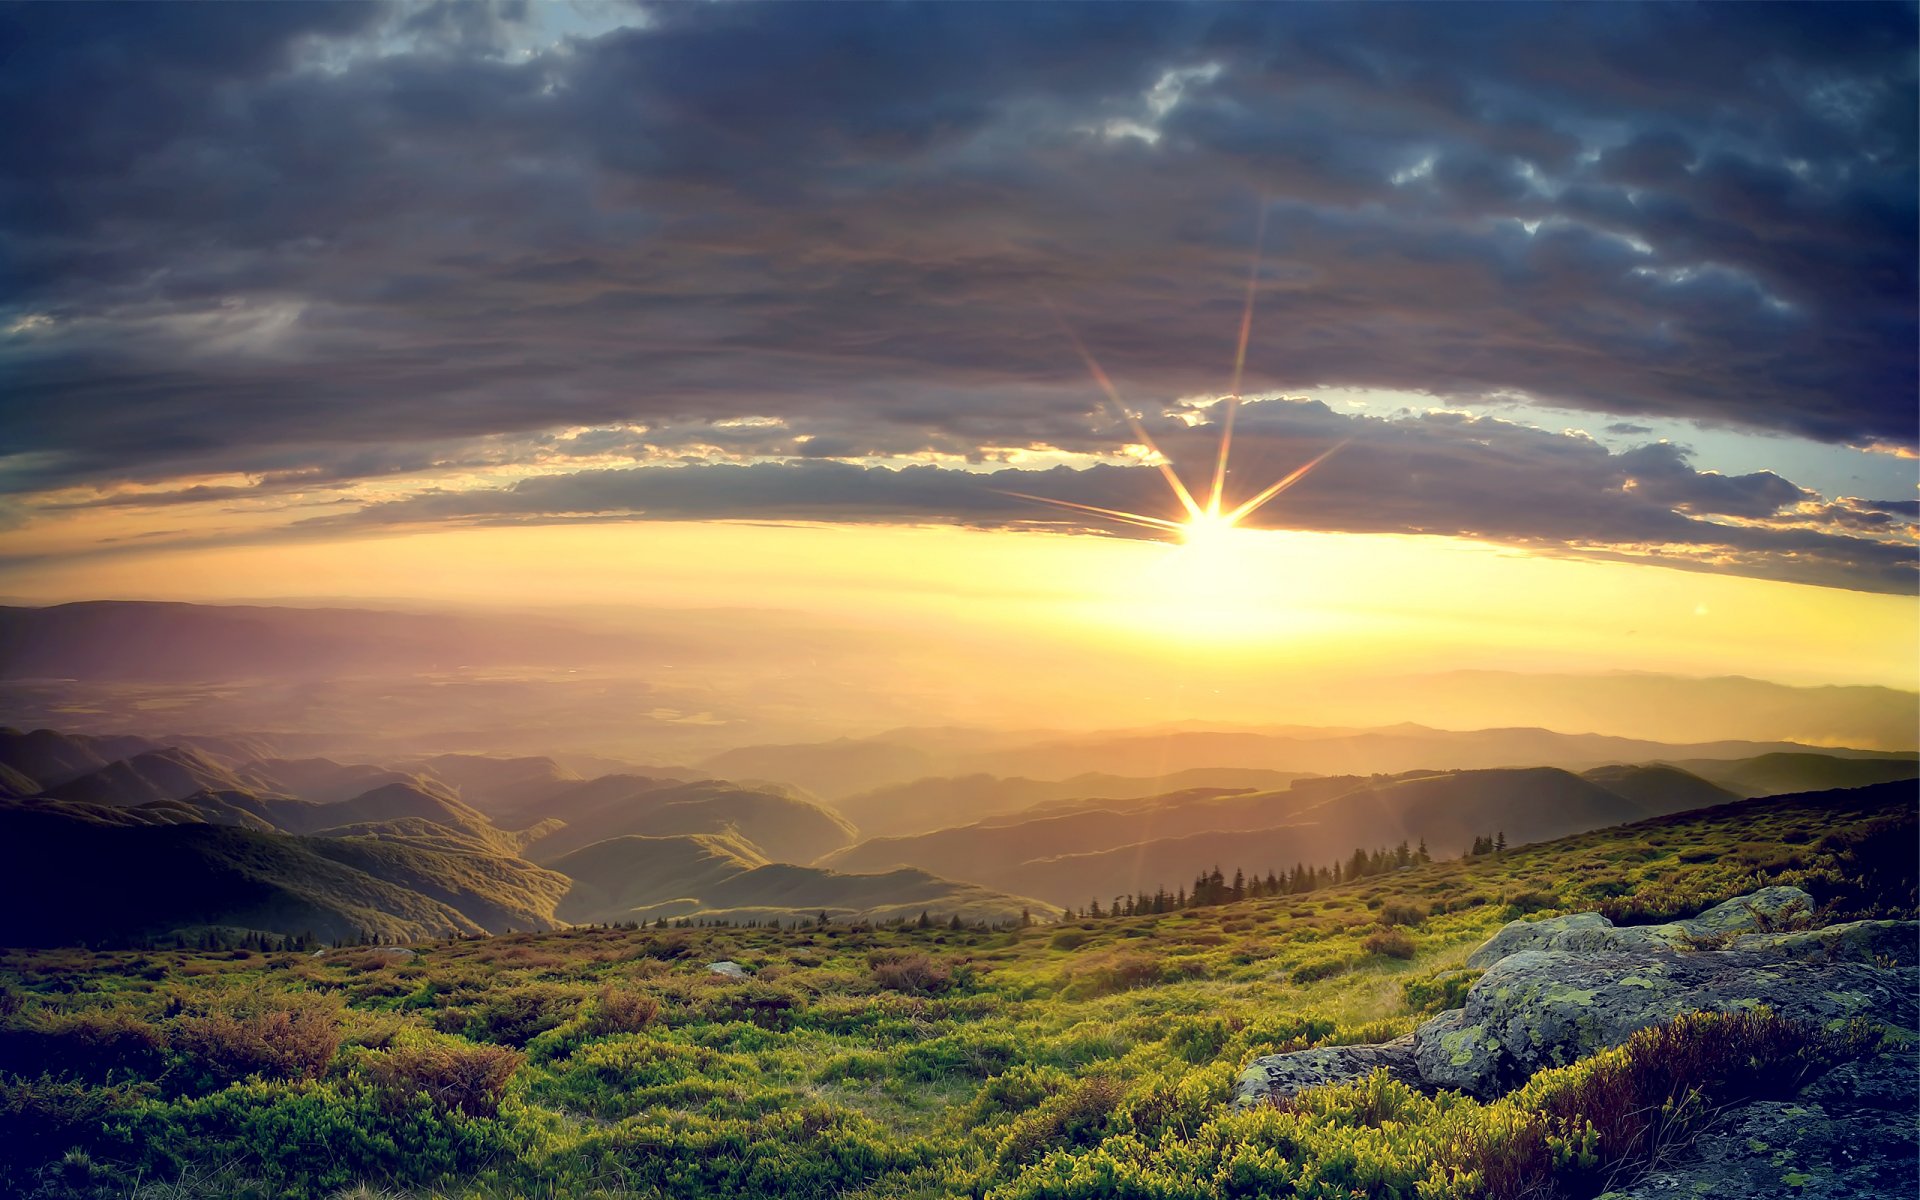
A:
1500	843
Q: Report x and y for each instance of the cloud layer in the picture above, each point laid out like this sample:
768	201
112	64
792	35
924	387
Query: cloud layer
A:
316	245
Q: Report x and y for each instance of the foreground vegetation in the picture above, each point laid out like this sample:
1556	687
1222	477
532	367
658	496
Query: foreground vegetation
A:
1092	1059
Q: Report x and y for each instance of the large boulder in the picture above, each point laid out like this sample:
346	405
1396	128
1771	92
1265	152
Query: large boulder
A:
1546	1008
1758	913
1849	1136
1887	943
1278	1076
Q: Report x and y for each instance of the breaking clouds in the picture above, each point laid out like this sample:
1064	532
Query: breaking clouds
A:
318	246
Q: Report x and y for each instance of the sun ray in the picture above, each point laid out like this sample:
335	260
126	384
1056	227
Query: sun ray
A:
1134	518
1162	462
1239	366
1204	524
1254	505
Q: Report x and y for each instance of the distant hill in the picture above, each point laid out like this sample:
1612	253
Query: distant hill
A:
1068	857
1780	774
50	758
843	769
171	773
1661	788
69	875
783	824
830	769
323	780
498	785
935	803
644	878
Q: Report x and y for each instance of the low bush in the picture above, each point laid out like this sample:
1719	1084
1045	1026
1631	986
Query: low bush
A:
1313	972
95	1045
1396	912
622	1011
220	1048
904	971
1389	943
465	1079
1076	1116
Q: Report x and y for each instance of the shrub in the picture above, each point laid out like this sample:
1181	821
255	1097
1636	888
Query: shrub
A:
97	1046
467	1079
902	971
1399	913
220	1048
1439	992
1530	900
44	1115
516	1017
622	1012
1388	943
1119	973
1073	1117
1312	972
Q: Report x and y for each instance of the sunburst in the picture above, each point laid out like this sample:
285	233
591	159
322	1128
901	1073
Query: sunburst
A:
1211	521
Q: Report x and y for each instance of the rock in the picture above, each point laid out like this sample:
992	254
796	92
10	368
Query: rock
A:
729	968
1537	1009
1825	1148
1884	942
1278	1076
1591	932
1850	1133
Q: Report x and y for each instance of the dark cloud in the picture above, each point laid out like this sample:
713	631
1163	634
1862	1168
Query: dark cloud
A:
1440	473
310	242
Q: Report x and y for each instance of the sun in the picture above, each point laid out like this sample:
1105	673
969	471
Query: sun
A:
1208	531
1209	524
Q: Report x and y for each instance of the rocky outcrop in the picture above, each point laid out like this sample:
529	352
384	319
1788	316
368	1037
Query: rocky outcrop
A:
728	968
1850	1135
1557	990
1885	943
1758	914
1278	1076
1546	1008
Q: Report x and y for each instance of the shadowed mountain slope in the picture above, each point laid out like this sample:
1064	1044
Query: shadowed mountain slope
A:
68	874
50	758
784	825
941	801
1070	857
1661	788
717	877
1779	774
324	781
497	786
172	773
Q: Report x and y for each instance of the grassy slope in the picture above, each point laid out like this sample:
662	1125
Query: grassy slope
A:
997	1063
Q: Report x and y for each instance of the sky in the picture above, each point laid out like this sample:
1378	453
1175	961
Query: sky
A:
1607	311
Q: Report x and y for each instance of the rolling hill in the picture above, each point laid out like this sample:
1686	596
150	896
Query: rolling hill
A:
171	773
1782	773
69	874
940	801
783	825
1068	857
719	878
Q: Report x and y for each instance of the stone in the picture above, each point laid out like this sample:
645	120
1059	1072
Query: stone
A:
1278	1076
729	968
1591	932
1895	943
1546	1008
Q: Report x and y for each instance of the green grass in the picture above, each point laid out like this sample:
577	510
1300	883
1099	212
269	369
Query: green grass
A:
1093	1059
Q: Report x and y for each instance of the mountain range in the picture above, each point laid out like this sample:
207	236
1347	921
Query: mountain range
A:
130	837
